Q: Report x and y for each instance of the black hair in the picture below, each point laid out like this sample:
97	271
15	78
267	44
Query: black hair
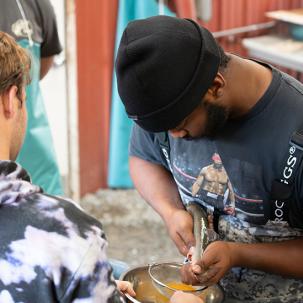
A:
225	58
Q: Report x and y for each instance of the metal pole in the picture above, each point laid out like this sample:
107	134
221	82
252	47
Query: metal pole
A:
244	29
204	9
73	182
161	5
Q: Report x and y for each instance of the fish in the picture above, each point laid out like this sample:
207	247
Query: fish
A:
202	233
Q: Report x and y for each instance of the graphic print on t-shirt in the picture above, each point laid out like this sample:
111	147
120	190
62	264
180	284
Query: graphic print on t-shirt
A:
213	186
231	187
22	28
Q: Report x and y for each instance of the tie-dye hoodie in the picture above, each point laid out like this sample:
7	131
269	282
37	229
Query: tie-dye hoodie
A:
50	250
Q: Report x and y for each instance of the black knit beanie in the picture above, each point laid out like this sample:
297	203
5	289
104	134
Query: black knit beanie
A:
164	67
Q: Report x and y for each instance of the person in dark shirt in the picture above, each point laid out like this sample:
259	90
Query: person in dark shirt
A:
190	100
33	24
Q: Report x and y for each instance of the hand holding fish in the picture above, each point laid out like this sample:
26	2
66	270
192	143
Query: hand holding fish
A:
216	260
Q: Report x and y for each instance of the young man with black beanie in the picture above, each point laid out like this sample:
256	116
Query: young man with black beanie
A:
176	83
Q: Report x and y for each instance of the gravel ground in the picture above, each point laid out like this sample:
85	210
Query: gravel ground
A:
135	232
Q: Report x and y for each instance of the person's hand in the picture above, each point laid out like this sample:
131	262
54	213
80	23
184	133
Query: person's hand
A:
182	297
180	228
125	287
217	259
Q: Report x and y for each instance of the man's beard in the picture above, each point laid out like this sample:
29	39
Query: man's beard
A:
217	117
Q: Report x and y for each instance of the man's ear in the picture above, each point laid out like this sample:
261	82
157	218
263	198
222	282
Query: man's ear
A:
217	87
8	101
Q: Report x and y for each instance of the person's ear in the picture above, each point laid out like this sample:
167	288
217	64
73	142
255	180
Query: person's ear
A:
8	101
217	88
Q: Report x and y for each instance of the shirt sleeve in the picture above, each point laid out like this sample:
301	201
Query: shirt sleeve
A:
93	281
50	38
145	146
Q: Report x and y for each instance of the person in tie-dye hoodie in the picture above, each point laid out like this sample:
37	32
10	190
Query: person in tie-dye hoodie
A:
50	250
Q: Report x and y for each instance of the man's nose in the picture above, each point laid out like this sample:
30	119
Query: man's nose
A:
182	133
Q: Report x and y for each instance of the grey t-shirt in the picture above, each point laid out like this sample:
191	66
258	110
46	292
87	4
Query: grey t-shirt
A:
39	16
233	173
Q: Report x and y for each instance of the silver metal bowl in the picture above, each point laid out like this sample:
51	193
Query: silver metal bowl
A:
146	292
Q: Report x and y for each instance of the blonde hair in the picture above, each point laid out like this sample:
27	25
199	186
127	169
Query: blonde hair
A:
15	64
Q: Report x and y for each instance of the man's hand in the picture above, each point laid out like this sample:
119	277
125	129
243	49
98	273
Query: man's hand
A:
217	259
125	287
157	186
180	228
182	297
282	258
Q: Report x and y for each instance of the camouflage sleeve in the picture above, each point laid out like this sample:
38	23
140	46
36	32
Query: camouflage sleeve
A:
296	206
